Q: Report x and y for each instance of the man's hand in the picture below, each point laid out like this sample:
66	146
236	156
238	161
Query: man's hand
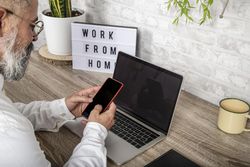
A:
78	101
106	118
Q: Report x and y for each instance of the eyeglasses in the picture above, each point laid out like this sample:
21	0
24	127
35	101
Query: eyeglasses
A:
37	27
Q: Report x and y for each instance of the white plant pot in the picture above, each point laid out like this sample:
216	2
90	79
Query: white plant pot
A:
58	32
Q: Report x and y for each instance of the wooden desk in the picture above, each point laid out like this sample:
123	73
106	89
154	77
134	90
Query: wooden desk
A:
193	133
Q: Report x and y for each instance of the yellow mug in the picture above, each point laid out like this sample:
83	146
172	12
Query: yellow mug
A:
233	115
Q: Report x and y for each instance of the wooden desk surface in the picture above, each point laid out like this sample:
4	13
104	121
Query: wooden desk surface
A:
193	133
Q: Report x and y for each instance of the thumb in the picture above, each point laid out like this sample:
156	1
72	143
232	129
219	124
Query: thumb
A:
97	110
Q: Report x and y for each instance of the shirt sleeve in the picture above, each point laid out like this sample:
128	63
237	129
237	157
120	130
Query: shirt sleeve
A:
43	115
91	150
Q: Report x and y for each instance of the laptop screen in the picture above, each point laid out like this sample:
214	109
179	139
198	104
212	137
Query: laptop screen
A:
149	93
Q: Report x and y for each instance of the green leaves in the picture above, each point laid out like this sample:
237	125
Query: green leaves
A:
184	8
68	8
60	8
206	13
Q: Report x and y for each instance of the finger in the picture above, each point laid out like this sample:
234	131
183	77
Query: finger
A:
86	92
92	95
78	99
112	108
83	106
111	111
97	110
93	92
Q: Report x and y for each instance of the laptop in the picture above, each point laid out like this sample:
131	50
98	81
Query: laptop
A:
145	107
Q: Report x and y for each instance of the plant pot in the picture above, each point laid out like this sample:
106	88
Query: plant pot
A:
58	32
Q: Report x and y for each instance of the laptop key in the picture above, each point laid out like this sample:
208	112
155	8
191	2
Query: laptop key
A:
132	132
148	140
139	141
132	138
138	146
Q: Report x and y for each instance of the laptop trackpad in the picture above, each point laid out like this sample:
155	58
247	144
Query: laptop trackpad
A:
119	150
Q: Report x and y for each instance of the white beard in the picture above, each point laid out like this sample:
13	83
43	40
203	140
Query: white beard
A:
13	64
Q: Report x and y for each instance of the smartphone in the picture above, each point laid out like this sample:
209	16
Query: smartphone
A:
107	93
172	159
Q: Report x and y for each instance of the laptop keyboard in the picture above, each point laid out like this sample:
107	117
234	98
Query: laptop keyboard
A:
132	132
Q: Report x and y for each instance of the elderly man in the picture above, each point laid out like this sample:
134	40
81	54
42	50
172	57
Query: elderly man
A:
18	146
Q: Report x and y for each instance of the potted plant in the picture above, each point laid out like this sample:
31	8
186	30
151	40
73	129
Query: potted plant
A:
57	24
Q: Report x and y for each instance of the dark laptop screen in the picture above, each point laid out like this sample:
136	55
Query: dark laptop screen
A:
149	92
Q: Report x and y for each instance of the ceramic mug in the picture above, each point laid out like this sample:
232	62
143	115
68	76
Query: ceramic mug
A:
233	115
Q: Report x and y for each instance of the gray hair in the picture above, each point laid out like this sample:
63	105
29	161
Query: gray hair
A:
15	5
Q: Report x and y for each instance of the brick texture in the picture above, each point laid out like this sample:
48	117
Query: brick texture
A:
213	58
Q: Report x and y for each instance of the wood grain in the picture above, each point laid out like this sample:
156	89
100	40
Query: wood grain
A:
193	132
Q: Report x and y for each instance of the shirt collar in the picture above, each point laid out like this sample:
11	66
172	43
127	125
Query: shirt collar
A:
1	82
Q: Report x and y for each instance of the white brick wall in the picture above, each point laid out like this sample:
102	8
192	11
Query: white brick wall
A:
213	58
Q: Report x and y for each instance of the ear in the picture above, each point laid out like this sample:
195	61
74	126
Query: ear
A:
2	15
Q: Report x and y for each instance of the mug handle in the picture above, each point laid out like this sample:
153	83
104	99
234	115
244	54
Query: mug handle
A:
246	129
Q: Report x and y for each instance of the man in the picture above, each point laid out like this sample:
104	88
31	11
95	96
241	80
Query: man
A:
18	145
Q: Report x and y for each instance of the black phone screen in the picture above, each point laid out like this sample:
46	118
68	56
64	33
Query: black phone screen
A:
104	96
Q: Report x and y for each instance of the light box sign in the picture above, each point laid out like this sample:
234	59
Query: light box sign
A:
95	47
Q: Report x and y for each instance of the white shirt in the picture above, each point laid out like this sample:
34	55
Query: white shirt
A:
18	144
